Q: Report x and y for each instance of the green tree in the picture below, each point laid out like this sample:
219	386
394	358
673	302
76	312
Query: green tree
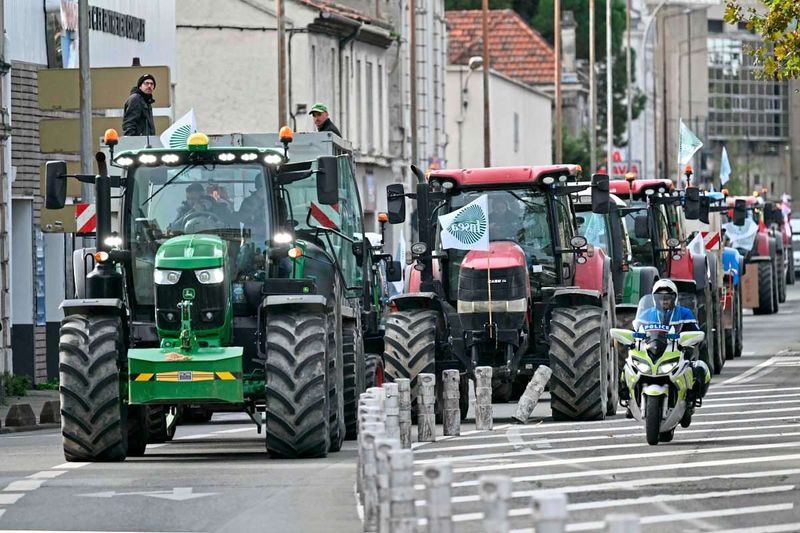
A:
575	150
778	24
619	94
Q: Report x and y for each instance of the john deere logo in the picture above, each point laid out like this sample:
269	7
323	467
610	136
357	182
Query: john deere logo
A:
188	294
469	225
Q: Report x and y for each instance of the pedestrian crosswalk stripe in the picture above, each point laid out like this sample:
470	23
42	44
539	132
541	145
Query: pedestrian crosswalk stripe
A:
774	528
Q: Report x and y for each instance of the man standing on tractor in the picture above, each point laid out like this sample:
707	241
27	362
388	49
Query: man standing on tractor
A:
322	120
138	115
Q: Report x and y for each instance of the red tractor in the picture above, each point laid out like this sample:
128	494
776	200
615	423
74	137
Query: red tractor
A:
539	295
659	239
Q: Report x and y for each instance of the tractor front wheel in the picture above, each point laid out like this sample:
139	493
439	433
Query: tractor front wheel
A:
579	344
297	410
354	375
766	300
410	347
94	423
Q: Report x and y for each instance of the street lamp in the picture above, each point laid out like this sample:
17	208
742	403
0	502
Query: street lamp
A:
475	62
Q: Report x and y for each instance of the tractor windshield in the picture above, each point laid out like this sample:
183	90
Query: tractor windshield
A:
521	216
642	248
225	200
595	228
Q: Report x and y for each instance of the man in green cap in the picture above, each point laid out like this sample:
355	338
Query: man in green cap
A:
322	120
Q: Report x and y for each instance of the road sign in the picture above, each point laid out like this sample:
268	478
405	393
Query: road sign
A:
711	239
63	135
59	88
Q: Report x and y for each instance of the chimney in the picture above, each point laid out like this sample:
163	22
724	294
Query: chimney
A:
568	52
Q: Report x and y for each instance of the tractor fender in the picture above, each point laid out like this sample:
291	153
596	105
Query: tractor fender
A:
317	302
595	273
700	271
417	300
639	281
762	246
569	297
683	267
95	306
82	264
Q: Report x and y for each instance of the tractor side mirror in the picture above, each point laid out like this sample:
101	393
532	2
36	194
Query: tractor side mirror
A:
56	184
601	199
641	227
394	271
328	180
691	205
705	210
739	213
396	203
358	251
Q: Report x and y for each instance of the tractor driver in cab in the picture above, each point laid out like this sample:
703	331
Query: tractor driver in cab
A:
503	224
667	311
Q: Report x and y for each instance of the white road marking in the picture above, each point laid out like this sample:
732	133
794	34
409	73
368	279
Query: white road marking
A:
746	403
9	499
177	494
633	484
776	528
2	512
707	401
47	474
750	375
70	465
712	392
637	469
659	498
756	412
237	430
24	485
547	444
198	436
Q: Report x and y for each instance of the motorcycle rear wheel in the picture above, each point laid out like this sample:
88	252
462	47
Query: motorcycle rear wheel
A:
652	418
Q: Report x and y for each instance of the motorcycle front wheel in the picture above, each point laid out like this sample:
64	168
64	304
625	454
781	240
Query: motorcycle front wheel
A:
652	418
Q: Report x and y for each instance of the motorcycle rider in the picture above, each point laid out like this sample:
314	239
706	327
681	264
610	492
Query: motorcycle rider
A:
667	311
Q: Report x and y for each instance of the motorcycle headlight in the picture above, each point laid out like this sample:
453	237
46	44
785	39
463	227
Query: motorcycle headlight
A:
666	368
642	367
166	277
210	276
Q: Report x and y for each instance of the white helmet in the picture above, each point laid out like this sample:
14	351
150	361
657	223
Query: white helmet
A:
665	285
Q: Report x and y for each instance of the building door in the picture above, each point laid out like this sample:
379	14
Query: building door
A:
22	297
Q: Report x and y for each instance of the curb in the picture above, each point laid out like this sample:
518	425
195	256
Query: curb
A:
21	429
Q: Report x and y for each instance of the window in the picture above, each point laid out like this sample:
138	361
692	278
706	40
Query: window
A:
370	107
714	26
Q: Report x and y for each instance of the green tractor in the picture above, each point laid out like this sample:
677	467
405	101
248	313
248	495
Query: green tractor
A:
236	281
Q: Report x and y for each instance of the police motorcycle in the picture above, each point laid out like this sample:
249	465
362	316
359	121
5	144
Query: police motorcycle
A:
663	380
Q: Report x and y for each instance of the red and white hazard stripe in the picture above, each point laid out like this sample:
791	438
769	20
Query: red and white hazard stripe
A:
326	215
85	218
711	239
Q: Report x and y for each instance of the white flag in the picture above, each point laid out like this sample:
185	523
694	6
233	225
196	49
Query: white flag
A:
689	144
177	135
467	228
724	168
697	246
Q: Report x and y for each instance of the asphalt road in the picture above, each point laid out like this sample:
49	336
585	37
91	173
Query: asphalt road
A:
736	468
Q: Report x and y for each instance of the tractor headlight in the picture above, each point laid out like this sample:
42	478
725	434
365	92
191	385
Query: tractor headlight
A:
666	368
210	275
166	277
642	367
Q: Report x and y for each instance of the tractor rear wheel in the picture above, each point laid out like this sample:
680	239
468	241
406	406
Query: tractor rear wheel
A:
373	371
297	410
579	342
138	429
775	287
94	417
354	375
765	291
781	275
410	347
337	424
738	317
157	424
790	274
706	324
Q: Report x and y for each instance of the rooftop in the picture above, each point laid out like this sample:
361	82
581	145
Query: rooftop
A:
515	49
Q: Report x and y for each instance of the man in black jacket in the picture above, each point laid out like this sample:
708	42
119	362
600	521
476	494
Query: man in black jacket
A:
138	118
322	120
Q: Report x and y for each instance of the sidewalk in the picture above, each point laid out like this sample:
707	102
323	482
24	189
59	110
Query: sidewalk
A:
36	399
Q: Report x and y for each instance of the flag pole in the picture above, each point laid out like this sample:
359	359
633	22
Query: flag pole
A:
489	287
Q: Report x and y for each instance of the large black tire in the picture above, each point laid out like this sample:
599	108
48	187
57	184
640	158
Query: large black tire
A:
790	273
297	411
739	317
337	422
611	368
775	287
666	436
93	415
373	371
354	375
156	424
766	300
781	275
719	333
138	429
410	347
652	418
579	341
705	322
501	391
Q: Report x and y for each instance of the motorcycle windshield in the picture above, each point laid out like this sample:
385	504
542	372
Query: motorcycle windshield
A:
663	313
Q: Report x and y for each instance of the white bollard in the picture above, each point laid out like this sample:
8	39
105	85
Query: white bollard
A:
438	478
371	432
426	403
549	510
483	398
451	415
392	409
495	492
401	482
623	523
382	448
532	394
404	396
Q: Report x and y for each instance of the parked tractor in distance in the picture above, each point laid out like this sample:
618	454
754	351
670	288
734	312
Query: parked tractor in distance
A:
242	299
540	295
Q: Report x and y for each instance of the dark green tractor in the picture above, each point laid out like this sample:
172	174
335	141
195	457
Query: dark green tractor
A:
235	281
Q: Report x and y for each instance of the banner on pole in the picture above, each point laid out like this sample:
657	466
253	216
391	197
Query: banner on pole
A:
467	228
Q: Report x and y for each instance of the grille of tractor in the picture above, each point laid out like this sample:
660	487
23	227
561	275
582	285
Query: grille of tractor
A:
208	299
509	297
